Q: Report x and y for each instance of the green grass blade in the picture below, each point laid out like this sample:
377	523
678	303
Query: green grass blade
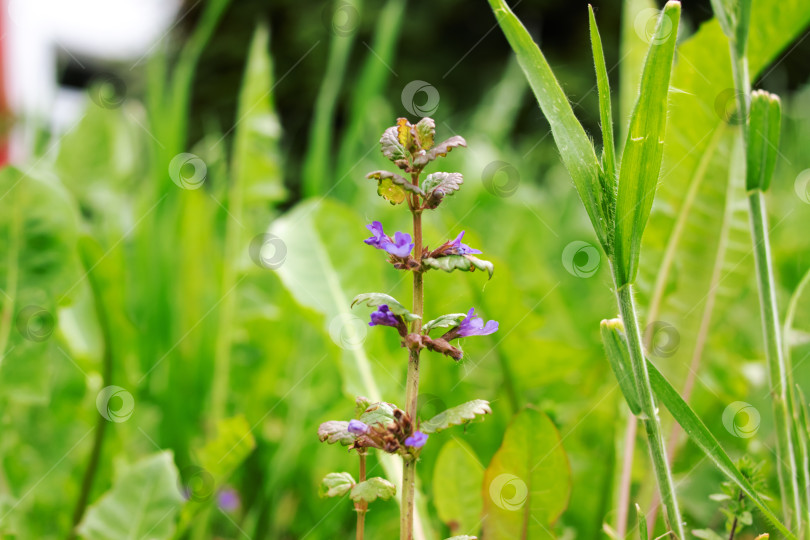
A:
619	358
644	147
575	147
632	51
703	438
605	109
642	524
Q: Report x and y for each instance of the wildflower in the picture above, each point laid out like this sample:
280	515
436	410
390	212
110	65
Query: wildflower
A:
228	500
356	427
472	325
384	317
417	440
456	247
400	246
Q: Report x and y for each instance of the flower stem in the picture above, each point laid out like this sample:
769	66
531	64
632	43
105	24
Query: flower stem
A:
412	382
362	507
652	423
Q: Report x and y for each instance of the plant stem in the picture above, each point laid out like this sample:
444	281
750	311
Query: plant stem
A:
626	475
774	354
362	507
412	382
649	411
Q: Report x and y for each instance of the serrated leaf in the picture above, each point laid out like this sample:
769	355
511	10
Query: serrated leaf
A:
393	187
762	143
391	147
425	130
404	135
141	503
455	416
465	263
451	320
441	149
457	479
528	482
440	184
336	484
379	299
575	147
335	431
378	413
644	147
373	489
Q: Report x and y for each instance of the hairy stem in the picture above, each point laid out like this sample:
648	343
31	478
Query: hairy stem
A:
362	507
412	382
650	419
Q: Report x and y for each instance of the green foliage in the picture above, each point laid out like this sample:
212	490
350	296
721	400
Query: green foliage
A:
465	263
379	299
372	489
617	354
456	416
142	502
337	484
457	480
762	140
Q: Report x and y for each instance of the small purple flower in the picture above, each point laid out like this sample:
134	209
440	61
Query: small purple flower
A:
399	246
472	325
417	440
458	248
228	500
356	427
384	317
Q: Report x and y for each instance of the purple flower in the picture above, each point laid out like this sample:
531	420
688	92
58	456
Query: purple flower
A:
472	325
356	427
456	247
228	500
384	317
417	440
399	246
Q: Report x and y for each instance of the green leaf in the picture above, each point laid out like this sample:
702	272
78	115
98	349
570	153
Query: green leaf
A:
425	130
379	299
694	427
378	413
465	263
575	147
528	482
335	431
440	184
605	116
393	187
444	147
642	524
764	123
451	320
372	489
463	537
707	534
457	480
142	503
644	147
619	357
337	484
456	416
391	147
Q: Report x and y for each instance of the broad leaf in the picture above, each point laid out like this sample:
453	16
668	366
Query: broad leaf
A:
465	263
644	147
335	431
336	484
451	320
455	416
575	147
440	184
372	489
425	130
528	482
379	299
457	480
391	147
440	150
378	413
393	187
142	503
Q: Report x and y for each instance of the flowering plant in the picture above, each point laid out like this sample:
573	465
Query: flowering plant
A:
383	426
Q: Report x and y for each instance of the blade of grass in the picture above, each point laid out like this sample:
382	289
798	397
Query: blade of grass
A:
605	109
644	147
575	147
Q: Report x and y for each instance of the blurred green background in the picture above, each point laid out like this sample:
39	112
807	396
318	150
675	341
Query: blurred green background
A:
142	272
